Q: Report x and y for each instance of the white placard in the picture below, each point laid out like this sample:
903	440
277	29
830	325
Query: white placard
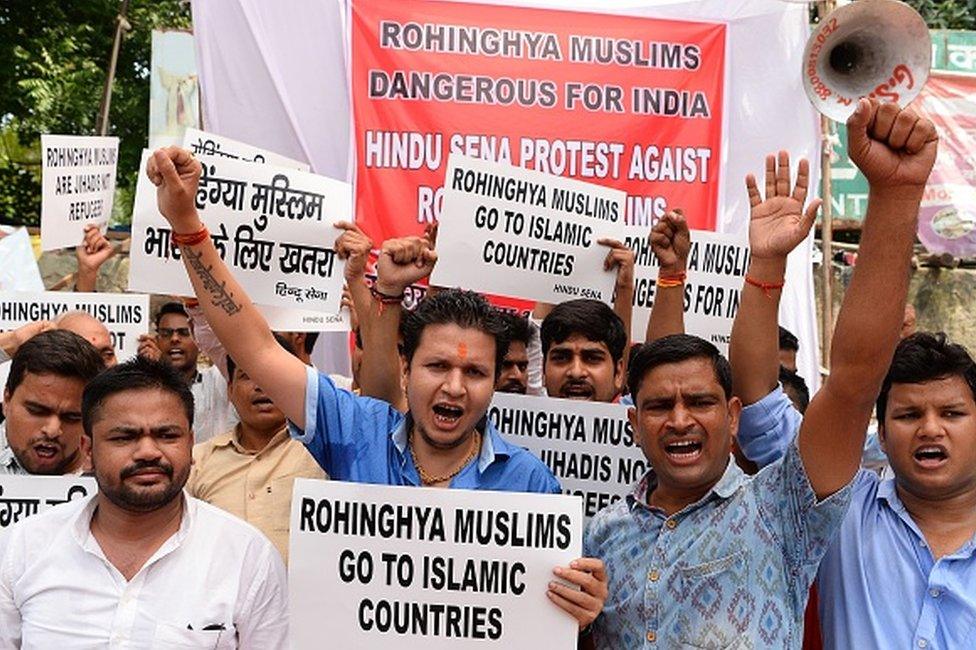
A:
272	226
77	186
587	445
211	144
125	315
717	264
24	496
480	559
18	267
509	231
283	319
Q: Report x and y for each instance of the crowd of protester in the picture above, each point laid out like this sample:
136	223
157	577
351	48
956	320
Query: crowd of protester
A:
762	497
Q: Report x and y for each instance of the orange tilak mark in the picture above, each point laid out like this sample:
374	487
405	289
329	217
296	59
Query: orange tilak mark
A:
462	350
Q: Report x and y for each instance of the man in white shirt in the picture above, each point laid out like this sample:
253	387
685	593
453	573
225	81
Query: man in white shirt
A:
140	564
176	344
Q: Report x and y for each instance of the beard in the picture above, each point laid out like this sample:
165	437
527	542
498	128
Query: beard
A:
138	500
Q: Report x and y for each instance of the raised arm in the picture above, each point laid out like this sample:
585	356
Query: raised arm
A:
621	258
401	263
239	326
93	251
895	149
671	243
777	225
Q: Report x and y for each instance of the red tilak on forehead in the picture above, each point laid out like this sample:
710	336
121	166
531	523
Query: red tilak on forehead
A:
462	350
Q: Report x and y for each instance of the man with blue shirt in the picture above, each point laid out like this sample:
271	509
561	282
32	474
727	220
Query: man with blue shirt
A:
452	349
700	555
901	572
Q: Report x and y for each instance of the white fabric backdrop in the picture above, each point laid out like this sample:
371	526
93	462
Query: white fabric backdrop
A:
274	75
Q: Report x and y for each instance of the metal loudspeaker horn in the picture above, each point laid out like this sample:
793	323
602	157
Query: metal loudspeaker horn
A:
870	48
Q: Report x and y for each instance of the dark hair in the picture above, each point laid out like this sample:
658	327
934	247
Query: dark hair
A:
55	352
358	336
675	349
136	374
922	357
592	319
282	341
454	306
173	307
788	340
519	328
796	383
310	339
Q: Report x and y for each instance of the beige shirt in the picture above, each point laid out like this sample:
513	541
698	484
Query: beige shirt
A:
255	486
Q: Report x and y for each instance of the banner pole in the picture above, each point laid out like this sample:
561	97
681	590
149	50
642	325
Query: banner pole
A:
121	24
826	224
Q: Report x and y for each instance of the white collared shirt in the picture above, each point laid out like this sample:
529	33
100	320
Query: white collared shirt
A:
216	583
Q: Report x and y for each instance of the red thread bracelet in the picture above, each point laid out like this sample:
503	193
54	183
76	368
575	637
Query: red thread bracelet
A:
191	239
765	286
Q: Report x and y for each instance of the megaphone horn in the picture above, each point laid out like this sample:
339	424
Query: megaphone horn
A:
870	48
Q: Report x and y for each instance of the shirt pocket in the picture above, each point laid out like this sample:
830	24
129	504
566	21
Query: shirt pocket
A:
281	489
718	605
174	637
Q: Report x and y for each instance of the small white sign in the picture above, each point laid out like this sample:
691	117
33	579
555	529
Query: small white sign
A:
587	445
717	265
77	186
125	315
211	144
18	267
514	232
284	319
409	567
24	496
271	225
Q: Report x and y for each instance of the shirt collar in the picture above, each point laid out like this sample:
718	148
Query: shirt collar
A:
493	446
732	479
81	528
8	462
233	439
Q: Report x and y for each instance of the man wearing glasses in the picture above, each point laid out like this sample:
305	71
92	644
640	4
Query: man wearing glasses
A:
176	345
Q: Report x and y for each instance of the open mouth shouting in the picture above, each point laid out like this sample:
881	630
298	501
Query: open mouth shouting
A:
262	403
46	451
447	416
685	451
931	456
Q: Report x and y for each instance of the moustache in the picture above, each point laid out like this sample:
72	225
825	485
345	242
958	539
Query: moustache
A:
137	467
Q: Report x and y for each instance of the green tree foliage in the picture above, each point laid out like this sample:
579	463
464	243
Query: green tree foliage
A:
55	56
947	14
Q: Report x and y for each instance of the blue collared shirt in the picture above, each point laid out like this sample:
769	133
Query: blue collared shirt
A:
880	586
733	568
364	440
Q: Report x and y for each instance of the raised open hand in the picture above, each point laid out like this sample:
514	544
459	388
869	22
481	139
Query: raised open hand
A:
893	147
778	223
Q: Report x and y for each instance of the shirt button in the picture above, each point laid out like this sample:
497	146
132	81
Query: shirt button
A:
935	593
922	643
250	495
653	575
671	523
651	637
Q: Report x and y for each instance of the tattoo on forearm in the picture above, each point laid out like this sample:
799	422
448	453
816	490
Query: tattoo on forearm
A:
219	296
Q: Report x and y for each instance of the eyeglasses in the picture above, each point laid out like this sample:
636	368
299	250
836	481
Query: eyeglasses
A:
167	332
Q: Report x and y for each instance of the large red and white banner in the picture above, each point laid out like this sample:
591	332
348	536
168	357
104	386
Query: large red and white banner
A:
947	222
628	102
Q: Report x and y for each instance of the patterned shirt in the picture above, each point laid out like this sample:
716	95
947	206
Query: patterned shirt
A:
729	571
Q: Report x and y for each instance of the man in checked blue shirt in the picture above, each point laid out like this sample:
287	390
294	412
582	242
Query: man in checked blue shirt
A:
453	345
700	555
